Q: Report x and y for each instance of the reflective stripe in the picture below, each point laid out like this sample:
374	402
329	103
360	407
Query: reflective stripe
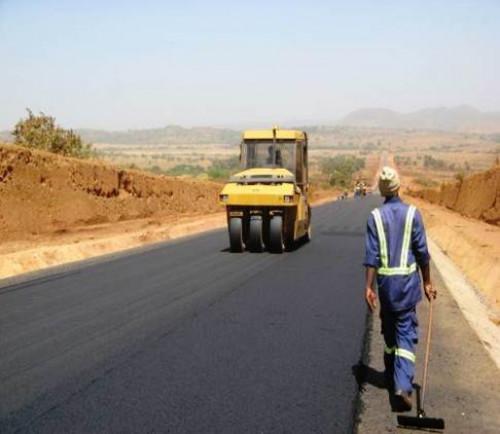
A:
381	237
397	271
407	237
401	352
403	269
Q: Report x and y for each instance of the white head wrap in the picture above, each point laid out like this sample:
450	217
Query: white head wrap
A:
388	182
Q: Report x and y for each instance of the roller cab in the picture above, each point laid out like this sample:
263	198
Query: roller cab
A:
266	203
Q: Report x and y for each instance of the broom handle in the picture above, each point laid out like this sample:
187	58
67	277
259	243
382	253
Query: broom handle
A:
427	353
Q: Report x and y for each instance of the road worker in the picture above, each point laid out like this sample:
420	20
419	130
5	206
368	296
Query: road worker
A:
396	249
274	158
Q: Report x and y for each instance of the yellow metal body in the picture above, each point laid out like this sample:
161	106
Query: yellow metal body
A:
242	194
268	135
277	193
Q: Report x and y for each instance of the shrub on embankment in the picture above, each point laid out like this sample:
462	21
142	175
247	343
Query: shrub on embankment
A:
476	196
43	192
341	168
42	132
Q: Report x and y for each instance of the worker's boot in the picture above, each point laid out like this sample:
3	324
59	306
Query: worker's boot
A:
404	400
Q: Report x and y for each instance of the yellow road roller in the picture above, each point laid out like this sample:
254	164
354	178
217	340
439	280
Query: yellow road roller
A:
266	202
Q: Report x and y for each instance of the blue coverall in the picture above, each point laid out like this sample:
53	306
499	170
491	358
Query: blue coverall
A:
399	284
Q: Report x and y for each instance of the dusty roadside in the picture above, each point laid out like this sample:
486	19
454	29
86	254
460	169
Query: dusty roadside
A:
463	385
84	242
36	252
473	245
462	218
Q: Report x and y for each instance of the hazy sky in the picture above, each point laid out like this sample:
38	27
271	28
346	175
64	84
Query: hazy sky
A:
134	64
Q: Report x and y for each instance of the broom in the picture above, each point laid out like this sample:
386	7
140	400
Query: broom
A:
421	421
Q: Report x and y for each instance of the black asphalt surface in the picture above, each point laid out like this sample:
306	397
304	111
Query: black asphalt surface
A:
186	337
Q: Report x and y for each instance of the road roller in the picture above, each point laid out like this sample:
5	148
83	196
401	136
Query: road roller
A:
266	202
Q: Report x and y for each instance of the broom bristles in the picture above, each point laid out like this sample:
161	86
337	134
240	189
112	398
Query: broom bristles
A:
421	422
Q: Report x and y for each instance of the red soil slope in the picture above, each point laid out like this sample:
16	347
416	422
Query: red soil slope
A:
476	196
44	193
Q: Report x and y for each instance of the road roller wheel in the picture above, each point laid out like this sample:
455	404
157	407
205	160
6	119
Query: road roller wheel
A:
276	242
236	243
255	243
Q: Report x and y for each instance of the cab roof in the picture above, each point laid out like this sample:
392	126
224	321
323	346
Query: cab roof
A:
268	134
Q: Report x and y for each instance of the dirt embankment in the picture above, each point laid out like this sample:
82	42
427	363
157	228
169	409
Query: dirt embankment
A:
55	210
476	196
45	193
463	218
474	246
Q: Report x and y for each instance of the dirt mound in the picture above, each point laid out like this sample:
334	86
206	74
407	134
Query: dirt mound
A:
42	193
476	196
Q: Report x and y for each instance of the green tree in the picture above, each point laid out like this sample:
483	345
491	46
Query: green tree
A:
41	132
341	168
222	169
185	169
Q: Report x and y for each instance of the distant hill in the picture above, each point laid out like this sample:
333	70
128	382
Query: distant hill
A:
462	118
456	119
169	135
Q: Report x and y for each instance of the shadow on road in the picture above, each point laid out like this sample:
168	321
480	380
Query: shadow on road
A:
292	248
365	374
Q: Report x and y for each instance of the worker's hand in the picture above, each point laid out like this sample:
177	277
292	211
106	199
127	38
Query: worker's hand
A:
371	298
430	292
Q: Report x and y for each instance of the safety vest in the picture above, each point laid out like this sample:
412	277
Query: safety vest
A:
404	269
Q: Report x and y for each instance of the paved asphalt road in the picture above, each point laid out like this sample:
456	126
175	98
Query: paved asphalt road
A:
189	338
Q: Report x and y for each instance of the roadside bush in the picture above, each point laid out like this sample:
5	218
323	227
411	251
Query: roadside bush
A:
426	182
41	132
403	160
341	168
222	169
460	177
185	169
156	170
435	163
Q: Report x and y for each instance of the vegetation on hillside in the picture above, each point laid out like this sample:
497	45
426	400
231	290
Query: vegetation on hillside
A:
41	132
429	162
341	168
425	182
222	169
434	163
219	169
169	135
185	169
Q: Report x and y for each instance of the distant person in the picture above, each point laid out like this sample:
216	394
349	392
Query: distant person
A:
396	248
357	190
279	160
274	157
270	156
